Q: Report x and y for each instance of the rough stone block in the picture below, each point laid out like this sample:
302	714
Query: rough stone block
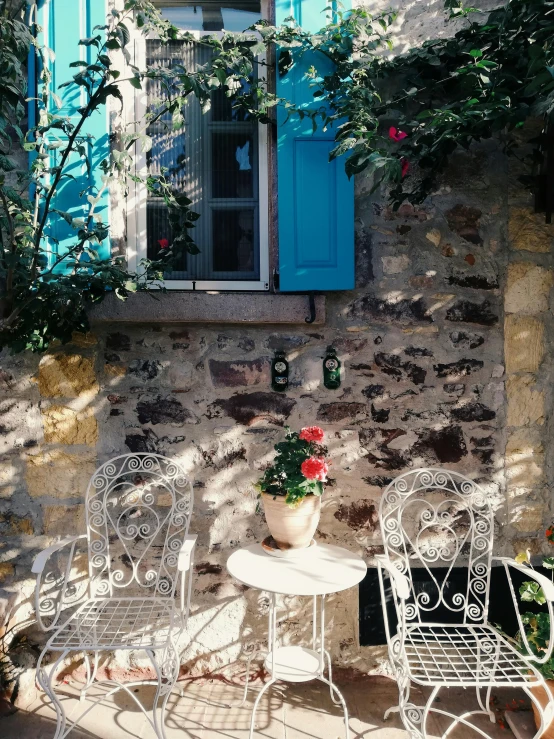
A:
527	288
63	425
466	339
164	410
434	236
361	515
393	366
248	408
473	412
240	373
395	265
528	231
12	525
468	312
66	376
59	474
524	463
465	220
7	570
456	370
525	405
527	516
336	412
63	520
523	343
388	310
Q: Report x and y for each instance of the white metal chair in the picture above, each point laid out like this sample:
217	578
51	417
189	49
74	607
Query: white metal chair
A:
138	509
435	518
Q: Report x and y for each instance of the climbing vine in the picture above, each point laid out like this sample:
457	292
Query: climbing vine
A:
396	117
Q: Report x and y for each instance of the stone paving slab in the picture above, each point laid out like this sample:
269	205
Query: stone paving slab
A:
302	711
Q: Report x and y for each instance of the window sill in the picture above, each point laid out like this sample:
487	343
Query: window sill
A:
198	307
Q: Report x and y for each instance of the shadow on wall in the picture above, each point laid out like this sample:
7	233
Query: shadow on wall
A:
418	22
152	398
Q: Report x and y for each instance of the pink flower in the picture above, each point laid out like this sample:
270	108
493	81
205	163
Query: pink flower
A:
405	166
396	135
164	243
312	433
315	468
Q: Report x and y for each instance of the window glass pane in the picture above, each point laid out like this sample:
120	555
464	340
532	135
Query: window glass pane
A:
233	240
223	110
232	175
186	18
158	229
214	161
211	16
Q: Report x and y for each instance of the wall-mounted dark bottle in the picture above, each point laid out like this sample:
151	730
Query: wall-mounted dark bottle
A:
331	369
279	372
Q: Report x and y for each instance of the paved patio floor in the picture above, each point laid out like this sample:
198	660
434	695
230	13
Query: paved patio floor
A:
301	711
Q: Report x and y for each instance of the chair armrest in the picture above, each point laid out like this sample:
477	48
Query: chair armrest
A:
546	584
42	557
49	602
548	590
185	553
400	580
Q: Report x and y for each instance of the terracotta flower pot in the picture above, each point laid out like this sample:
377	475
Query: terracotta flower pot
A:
292	528
543	700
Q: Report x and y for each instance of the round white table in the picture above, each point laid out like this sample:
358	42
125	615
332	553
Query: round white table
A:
319	571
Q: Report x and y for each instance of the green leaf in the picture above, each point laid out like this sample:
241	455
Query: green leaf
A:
136	83
92	41
125	33
531	592
548	563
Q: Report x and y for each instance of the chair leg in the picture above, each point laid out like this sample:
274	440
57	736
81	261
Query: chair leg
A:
166	664
44	679
486	705
91	674
547	713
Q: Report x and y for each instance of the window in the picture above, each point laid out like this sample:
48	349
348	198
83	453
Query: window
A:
219	160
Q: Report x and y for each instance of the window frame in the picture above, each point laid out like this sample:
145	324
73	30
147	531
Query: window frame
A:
137	197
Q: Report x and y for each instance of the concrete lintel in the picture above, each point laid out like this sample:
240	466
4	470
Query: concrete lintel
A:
201	307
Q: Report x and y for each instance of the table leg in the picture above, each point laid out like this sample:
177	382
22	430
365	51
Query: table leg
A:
272	644
323	656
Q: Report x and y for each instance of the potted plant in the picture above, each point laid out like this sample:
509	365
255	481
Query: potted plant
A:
291	488
537	631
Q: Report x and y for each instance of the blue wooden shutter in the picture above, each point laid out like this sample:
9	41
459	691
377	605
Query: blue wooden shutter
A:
315	197
64	23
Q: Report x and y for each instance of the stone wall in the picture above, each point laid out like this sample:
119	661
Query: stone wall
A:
448	293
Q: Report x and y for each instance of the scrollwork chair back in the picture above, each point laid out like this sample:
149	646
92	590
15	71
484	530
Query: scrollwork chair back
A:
138	509
432	518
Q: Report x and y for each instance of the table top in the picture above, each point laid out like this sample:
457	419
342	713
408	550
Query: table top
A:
320	570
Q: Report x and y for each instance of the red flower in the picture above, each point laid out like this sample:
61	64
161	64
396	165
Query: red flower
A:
550	534
315	468
164	243
312	433
396	135
405	166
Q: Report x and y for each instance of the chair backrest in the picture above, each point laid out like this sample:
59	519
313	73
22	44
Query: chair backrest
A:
433	519
138	509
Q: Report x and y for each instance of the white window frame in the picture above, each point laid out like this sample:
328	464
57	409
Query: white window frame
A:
137	197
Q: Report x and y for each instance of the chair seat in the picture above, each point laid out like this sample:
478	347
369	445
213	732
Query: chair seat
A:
464	655
117	623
